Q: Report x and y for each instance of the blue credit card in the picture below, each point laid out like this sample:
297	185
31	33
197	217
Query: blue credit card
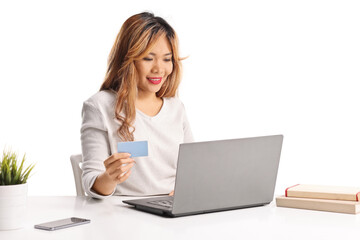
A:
136	149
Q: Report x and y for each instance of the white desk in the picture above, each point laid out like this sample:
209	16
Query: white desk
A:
111	219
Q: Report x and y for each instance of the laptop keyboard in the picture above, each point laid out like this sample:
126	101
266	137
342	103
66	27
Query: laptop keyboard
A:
163	203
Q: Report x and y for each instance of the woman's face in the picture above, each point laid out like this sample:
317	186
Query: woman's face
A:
154	68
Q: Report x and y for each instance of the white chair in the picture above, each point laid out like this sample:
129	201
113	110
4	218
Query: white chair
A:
76	160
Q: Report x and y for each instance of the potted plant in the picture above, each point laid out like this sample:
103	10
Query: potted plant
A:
13	190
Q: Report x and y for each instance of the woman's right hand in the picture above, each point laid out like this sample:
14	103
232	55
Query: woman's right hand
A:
118	169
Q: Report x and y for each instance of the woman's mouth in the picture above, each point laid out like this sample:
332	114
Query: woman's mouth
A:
154	80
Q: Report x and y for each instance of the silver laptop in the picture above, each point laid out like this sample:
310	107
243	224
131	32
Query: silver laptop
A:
220	175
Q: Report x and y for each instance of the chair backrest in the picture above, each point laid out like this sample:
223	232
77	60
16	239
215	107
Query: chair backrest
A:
76	160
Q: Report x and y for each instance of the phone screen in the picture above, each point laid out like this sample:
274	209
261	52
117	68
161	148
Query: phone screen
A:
63	223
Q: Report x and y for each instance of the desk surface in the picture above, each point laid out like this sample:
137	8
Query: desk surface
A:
111	219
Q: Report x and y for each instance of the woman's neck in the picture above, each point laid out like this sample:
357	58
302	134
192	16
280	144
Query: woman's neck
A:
149	104
148	97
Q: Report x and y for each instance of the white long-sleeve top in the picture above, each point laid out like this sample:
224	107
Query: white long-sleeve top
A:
151	175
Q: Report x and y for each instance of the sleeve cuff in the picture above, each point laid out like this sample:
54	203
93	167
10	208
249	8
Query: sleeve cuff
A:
94	194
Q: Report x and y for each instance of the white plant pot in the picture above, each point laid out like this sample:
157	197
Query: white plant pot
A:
13	200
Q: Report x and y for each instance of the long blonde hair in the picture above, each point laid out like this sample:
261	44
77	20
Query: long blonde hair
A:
134	41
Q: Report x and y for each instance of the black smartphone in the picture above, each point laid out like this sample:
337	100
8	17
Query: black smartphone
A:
63	223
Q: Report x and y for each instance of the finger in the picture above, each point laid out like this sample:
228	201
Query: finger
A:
124	177
126	167
172	193
121	169
126	160
116	156
118	163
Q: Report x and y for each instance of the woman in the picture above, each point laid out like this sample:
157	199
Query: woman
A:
137	101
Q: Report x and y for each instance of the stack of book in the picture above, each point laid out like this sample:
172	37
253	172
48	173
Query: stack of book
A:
322	198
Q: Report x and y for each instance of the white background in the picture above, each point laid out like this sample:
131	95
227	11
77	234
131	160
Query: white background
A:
254	68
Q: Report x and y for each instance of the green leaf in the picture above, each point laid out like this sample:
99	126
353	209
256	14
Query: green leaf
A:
27	174
7	174
18	172
13	170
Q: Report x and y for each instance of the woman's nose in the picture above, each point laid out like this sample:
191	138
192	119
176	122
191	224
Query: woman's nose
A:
157	67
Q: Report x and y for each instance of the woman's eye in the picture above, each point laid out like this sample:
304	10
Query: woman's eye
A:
167	59
147	59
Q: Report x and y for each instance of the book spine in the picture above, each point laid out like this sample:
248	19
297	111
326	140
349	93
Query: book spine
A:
319	205
286	190
323	195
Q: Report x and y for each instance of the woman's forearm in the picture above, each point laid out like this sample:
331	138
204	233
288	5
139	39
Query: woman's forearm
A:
104	185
